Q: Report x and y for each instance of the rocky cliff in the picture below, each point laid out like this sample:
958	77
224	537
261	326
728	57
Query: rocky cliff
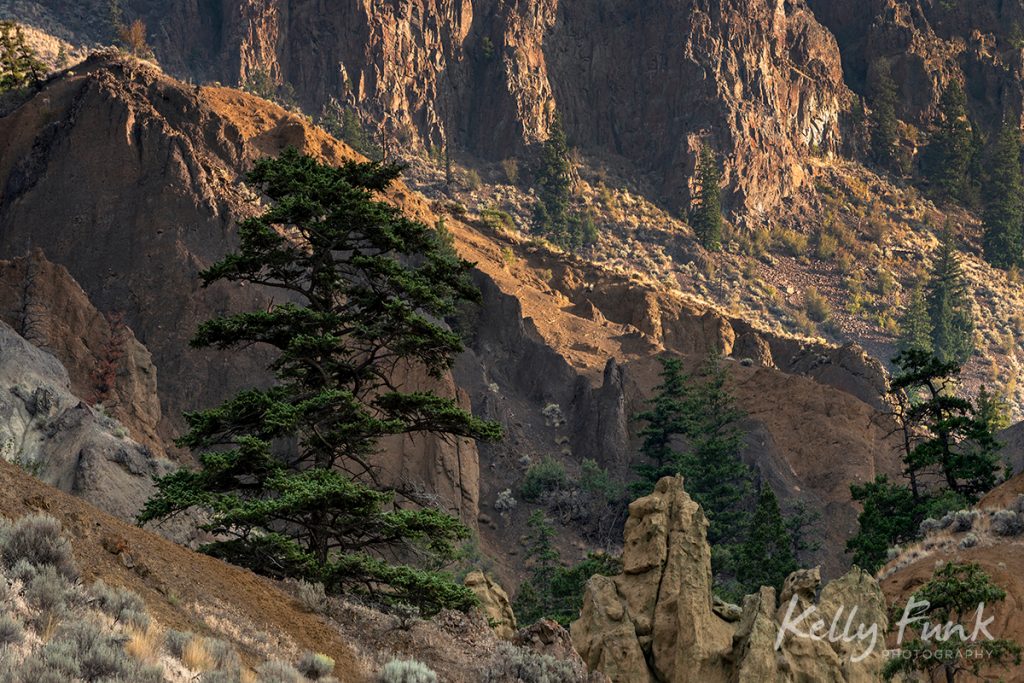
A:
658	621
760	81
150	173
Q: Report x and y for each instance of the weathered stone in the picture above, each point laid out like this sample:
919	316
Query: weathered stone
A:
494	603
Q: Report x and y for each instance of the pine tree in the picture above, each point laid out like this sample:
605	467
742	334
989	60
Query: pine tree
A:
715	475
953	596
891	515
992	409
285	478
664	418
915	325
955	442
884	97
20	66
1004	201
949	304
766	557
706	210
554	176
947	158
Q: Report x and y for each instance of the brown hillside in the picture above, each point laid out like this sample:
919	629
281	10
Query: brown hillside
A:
182	589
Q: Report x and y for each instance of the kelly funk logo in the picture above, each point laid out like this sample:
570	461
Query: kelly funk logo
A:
844	627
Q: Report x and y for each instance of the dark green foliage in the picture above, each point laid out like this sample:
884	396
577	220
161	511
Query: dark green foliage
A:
959	445
706	209
992	409
1004	201
20	66
949	304
890	516
553	591
884	97
953	595
701	410
915	325
262	84
766	556
543	477
947	159
285	475
343	123
552	216
947	442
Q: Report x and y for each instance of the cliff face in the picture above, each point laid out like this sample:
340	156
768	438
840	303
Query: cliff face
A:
928	42
760	81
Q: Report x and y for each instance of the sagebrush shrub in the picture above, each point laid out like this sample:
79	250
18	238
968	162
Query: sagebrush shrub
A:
38	539
513	663
48	591
313	597
122	604
315	666
278	672
11	630
406	671
1006	523
963	521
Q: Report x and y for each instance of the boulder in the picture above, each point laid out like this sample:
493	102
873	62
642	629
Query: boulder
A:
494	603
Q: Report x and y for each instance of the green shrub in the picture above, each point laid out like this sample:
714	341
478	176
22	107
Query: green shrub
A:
496	219
541	478
826	247
817	306
407	671
793	242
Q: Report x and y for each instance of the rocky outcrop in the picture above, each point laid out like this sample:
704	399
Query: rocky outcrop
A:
656	621
44	304
760	81
166	165
930	42
55	435
494	603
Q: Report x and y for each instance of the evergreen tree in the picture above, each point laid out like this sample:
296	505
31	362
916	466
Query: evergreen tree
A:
957	443
20	66
993	410
953	595
706	209
664	418
1004	201
285	478
947	159
891	515
715	475
915	325
766	557
553	591
884	97
949	304
553	179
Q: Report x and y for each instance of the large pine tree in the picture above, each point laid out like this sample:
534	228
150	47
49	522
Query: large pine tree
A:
554	179
20	66
1004	201
766	556
286	479
949	304
706	211
947	159
884	97
915	325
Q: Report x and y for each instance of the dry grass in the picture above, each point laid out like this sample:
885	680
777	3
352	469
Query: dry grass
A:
144	644
196	656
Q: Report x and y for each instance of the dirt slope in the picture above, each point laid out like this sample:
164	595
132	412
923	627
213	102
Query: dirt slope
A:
182	589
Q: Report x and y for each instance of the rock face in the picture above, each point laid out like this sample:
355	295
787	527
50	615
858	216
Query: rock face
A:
494	603
656	622
150	173
59	438
929	42
761	81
